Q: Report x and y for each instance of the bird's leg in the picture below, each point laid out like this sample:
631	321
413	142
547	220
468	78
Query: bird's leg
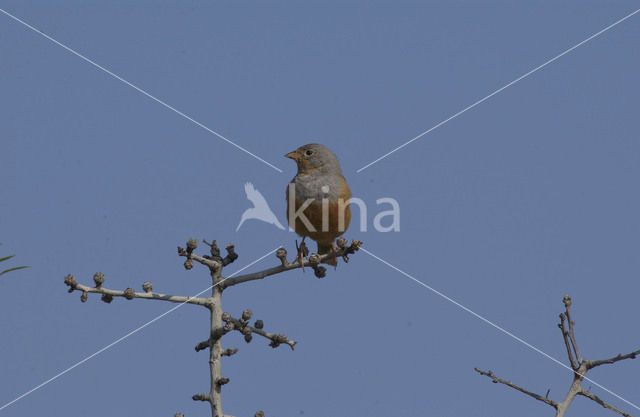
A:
303	251
334	252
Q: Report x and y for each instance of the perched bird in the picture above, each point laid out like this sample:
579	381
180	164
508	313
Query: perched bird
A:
260	209
317	197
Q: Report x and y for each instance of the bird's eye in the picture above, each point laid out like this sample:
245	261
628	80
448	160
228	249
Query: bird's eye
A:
309	152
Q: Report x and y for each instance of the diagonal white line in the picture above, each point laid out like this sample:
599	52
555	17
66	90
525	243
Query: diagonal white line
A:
117	77
498	91
489	322
132	332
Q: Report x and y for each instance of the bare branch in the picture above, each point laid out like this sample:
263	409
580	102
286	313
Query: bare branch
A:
108	294
242	325
220	323
597	399
565	336
619	357
497	380
313	261
579	365
567	304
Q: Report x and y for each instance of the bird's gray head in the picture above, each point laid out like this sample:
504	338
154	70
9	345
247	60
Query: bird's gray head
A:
315	158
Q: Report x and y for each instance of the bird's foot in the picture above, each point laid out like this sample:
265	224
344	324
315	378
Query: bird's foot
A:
303	252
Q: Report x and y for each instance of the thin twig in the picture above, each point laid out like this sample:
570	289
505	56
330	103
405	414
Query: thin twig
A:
342	252
597	399
497	380
567	304
243	327
129	294
619	357
565	336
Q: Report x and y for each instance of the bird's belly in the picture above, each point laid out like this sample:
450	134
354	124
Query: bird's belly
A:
325	222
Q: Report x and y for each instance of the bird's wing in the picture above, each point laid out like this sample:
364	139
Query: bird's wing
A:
255	196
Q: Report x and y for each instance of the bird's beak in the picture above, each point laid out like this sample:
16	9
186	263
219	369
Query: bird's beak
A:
293	155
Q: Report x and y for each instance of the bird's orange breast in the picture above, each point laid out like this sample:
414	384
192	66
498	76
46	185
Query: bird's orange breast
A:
328	220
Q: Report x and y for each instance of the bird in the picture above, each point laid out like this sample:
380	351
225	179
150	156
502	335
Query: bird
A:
320	185
260	209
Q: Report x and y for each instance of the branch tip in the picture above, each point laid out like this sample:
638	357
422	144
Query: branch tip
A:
229	352
201	397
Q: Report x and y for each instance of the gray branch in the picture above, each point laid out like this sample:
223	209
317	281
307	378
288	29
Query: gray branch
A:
314	260
242	325
215	264
597	399
129	294
579	365
497	380
619	357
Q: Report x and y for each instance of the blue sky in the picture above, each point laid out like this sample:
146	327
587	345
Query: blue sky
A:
528	196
